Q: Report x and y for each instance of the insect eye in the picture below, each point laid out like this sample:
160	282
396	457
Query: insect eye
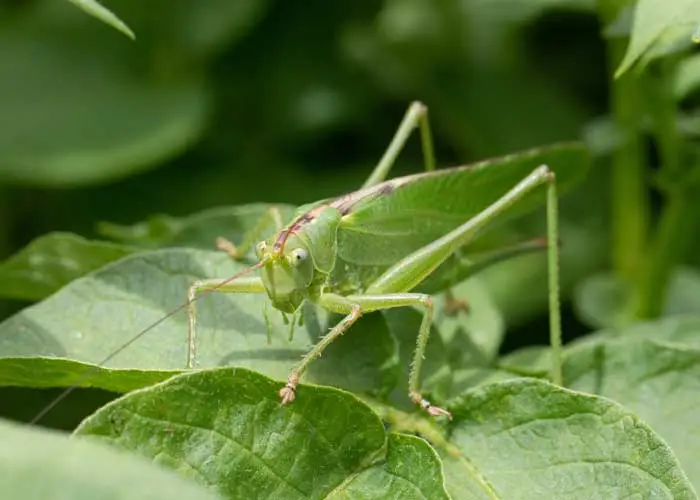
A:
299	255
260	249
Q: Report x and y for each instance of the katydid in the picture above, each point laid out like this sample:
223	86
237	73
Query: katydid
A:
322	255
372	249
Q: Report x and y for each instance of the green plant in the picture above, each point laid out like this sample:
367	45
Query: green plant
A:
623	422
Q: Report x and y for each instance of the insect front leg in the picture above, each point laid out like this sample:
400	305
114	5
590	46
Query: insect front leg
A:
251	284
416	116
237	252
355	306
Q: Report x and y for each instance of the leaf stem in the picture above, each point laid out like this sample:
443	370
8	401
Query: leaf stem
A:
630	199
665	254
671	235
5	244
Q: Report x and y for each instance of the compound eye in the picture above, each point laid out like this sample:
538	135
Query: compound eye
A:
260	249
299	255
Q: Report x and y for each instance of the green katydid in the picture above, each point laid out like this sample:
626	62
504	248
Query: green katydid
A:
322	254
372	249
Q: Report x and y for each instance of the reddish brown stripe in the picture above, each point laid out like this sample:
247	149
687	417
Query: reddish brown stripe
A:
294	227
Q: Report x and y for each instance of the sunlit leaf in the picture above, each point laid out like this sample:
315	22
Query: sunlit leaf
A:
657	381
660	26
227	430
105	15
52	261
528	439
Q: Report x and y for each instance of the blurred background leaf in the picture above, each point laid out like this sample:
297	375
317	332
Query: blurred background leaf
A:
103	14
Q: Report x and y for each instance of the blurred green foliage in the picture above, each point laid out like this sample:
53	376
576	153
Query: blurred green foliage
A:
227	103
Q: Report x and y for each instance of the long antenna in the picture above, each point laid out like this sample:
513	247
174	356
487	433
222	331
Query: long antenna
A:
88	373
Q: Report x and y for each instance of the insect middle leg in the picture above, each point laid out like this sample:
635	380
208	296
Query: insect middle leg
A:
355	306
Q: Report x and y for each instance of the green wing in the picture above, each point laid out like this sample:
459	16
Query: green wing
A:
415	210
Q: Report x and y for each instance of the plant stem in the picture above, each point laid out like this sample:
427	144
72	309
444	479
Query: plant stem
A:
666	252
5	246
675	224
630	204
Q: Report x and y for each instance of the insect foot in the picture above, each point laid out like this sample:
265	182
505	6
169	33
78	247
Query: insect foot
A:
453	305
229	247
289	391
435	411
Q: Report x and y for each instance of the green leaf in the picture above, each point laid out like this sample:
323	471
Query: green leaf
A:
474	335
100	121
687	78
602	300
51	261
534	361
660	26
226	429
105	15
96	315
397	476
529	439
38	464
46	372
184	31
515	439
657	381
680	329
198	230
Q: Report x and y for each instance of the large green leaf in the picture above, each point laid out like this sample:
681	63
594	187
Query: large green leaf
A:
657	381
659	27
528	439
198	230
681	329
51	261
38	464
519	439
226	429
49	343
99	122
687	78
602	300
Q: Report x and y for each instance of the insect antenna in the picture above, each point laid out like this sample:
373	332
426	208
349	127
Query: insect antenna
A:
88	373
